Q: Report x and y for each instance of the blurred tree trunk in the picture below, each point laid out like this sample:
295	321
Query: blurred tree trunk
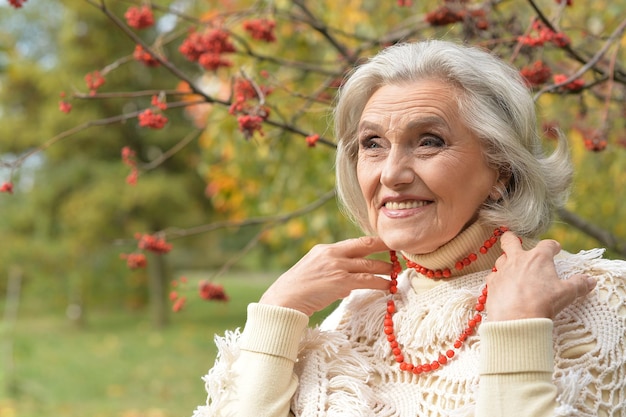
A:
158	275
11	307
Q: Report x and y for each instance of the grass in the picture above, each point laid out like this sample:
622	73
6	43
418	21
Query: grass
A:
119	366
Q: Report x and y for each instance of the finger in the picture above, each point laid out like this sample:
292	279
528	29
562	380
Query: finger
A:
581	285
550	245
509	242
369	281
362	246
371	266
574	287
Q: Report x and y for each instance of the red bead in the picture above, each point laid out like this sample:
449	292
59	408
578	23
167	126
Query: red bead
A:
494	269
472	323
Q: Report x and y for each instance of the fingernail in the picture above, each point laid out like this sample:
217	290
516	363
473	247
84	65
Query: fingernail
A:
591	282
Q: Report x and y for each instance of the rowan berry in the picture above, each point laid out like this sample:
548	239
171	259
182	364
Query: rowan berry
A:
6	187
139	17
311	140
17	3
261	29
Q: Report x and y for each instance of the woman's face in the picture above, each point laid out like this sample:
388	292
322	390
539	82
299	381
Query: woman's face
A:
421	171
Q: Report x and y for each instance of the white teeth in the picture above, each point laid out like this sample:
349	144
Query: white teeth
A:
392	205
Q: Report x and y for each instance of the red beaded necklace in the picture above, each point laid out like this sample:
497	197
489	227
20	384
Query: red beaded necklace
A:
472	323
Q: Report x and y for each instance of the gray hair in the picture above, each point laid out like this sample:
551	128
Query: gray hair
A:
494	103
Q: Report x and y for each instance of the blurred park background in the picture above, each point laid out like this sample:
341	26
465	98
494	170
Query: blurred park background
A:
84	332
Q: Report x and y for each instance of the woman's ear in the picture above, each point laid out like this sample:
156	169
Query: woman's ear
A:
502	184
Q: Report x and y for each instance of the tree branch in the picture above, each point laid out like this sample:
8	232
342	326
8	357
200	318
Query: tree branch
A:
606	238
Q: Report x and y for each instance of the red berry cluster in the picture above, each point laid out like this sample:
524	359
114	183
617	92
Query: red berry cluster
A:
134	260
594	139
210	291
250	115
128	158
261	29
572	86
64	105
94	81
153	243
139	17
536	73
544	34
447	15
178	301
405	3
208	48
248	124
17	3
154	119
151	120
6	187
311	140
145	57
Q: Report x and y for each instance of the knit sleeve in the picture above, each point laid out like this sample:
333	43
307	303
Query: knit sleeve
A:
253	375
516	365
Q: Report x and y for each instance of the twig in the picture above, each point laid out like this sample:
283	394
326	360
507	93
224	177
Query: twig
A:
174	233
89	124
590	64
173	150
233	260
606	238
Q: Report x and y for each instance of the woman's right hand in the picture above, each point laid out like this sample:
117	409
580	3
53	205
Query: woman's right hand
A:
330	272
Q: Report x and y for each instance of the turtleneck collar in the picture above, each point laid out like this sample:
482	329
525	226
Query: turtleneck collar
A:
468	241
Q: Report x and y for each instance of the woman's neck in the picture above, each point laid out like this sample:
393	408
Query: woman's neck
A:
465	243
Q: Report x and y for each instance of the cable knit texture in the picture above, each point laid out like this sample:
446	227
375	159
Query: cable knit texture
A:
572	366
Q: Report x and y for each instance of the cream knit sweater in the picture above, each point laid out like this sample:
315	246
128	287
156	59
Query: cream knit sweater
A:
574	366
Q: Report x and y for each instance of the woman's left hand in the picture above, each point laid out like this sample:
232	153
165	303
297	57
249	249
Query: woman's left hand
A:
526	284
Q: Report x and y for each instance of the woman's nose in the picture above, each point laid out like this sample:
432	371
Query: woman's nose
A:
397	169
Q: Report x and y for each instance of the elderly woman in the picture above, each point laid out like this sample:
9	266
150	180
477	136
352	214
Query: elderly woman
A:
439	161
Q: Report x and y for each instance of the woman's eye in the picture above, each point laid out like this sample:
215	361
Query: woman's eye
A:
370	143
432	141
